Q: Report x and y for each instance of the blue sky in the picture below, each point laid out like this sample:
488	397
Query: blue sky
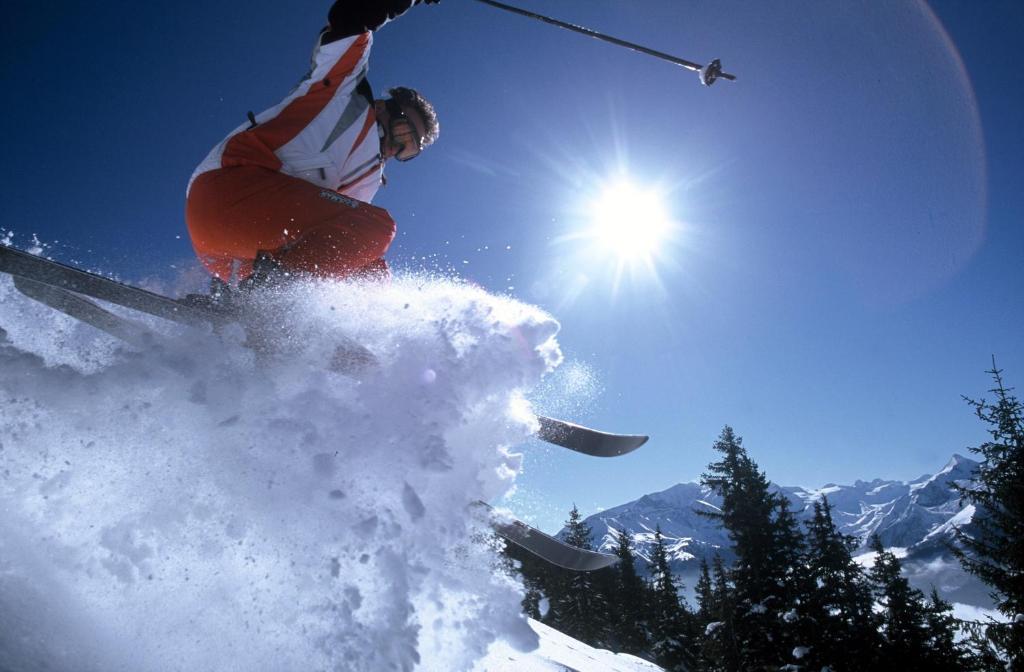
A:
847	254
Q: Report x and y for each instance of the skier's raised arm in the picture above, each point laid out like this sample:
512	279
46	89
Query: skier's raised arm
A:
352	17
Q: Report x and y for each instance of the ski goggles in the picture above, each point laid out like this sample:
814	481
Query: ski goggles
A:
402	133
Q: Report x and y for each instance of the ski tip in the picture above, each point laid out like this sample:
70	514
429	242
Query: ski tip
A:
638	441
614	445
586	440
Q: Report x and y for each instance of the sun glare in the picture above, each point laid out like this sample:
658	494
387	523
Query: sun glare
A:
620	234
629	222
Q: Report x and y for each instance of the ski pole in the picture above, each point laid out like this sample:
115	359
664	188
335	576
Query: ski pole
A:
708	73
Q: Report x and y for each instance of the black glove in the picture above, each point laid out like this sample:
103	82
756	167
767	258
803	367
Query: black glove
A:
352	17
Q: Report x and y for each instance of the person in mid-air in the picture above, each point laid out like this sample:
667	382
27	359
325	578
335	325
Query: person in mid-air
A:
288	192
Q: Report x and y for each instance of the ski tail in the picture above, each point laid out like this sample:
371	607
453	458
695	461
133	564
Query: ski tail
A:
546	547
84	310
48	272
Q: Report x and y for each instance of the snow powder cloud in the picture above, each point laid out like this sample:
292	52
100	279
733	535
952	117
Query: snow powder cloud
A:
191	506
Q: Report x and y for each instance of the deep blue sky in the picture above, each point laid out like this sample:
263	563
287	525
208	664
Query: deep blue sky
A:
849	211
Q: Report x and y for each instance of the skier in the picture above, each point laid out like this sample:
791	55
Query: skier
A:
289	191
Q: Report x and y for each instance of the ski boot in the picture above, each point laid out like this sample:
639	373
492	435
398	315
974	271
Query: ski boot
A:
266	274
220	297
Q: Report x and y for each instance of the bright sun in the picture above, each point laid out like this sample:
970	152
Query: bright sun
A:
621	233
629	222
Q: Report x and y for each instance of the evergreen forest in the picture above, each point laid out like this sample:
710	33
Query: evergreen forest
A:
794	598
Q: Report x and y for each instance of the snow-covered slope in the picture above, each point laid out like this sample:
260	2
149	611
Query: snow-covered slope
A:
916	515
560	653
191	507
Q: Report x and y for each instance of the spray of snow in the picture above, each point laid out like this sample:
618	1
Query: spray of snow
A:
191	505
569	391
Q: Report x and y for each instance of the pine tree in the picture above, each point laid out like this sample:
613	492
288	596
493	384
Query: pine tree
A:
995	552
579	610
629	600
669	624
532	596
534	575
719	651
945	653
903	618
787	556
705	594
604	582
748	514
836	618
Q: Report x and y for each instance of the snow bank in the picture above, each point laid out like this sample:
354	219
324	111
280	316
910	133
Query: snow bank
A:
558	653
190	506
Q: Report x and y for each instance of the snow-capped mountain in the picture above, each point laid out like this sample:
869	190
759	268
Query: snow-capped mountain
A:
915	516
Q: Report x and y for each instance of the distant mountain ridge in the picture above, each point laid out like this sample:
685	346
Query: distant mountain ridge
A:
915	517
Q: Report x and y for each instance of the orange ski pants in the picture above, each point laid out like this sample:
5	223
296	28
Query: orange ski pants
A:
233	213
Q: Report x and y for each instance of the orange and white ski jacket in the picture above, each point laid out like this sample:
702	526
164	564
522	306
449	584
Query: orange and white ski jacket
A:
325	130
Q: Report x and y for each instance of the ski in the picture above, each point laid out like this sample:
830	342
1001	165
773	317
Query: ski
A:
31	267
586	440
65	287
546	547
84	310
